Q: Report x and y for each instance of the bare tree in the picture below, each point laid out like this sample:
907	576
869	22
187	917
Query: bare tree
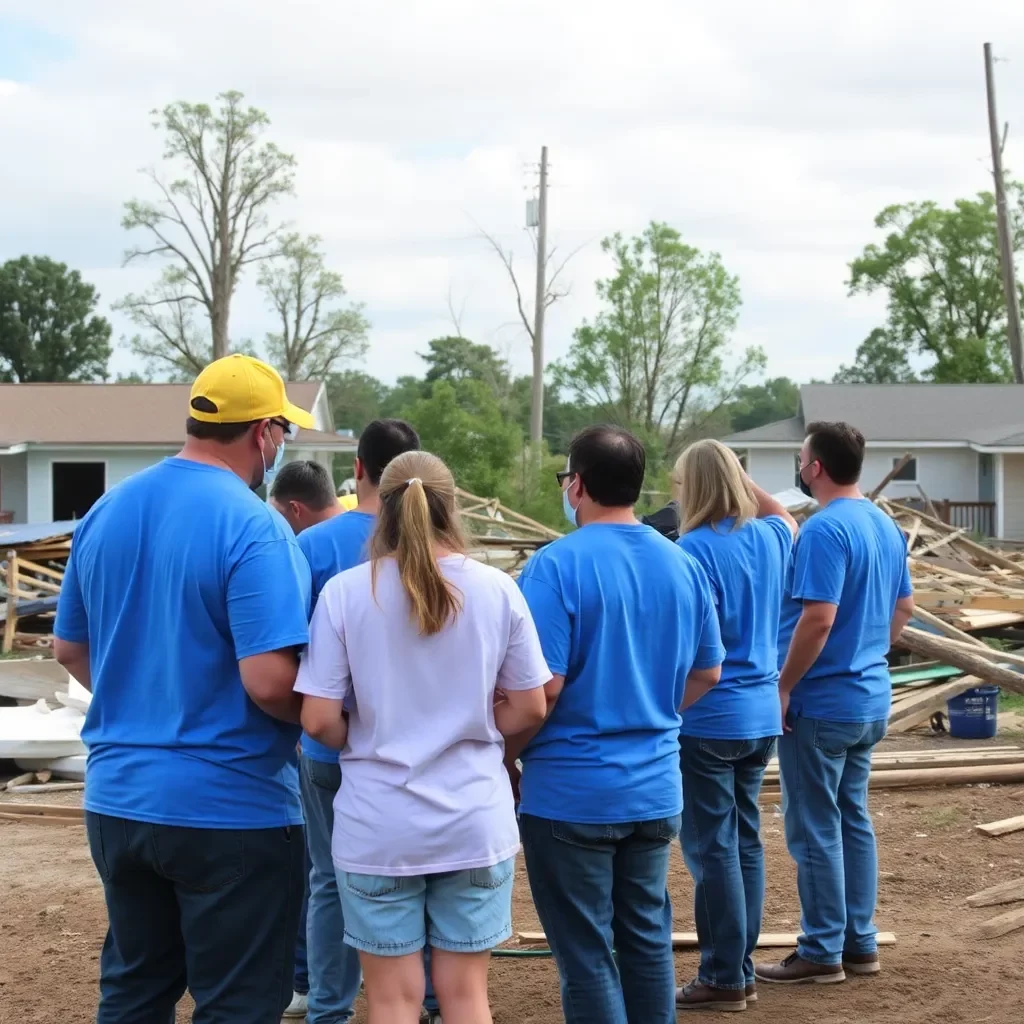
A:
314	338
210	223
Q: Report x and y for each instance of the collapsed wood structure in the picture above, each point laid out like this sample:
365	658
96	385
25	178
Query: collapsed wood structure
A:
31	573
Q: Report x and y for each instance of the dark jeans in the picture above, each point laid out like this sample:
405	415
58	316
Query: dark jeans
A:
211	910
824	768
602	886
721	843
300	981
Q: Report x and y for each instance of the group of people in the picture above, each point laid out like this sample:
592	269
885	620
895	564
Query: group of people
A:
627	691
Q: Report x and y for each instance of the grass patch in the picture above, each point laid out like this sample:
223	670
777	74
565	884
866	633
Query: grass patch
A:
942	817
1011	701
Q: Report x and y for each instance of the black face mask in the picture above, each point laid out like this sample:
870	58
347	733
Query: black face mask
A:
804	488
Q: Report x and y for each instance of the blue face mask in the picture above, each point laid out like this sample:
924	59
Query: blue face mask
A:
570	512
269	472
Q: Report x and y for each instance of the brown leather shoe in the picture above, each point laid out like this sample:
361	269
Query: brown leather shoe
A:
698	996
751	993
861	963
795	970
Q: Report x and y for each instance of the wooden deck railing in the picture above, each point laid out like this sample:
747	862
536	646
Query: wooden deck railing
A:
972	516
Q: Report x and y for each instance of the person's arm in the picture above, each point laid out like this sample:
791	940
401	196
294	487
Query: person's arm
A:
518	735
75	658
698	682
71	627
325	679
769	506
903	614
269	680
267	611
809	638
542	594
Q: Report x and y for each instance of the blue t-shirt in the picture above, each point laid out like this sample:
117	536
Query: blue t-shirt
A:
747	571
330	547
852	555
624	615
176	575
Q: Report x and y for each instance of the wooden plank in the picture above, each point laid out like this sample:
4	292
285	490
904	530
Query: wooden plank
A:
921	706
890	476
43	570
48	787
1004	827
11	616
930	646
52	810
936	544
963	761
39	819
1005	892
688	940
944	627
20	780
1003	924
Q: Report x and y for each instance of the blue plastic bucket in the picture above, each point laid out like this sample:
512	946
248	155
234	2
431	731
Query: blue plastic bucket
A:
972	715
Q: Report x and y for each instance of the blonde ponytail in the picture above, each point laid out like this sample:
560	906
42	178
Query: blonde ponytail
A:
418	514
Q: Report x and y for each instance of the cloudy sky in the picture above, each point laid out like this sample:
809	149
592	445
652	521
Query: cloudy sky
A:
772	133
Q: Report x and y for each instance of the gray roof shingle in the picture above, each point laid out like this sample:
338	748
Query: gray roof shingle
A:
987	414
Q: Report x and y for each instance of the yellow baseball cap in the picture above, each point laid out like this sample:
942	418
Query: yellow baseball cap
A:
240	389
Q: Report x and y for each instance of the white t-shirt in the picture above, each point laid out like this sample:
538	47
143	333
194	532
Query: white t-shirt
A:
423	786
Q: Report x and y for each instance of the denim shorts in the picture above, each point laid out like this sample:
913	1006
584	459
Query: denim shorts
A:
457	911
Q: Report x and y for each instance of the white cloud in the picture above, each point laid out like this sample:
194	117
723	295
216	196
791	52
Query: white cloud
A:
771	133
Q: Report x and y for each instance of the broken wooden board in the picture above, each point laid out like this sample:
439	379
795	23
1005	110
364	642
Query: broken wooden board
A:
688	940
39	819
910	713
1003	924
1005	892
1002	828
32	679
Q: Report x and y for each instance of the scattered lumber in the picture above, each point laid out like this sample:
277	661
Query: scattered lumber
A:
923	778
47	787
1002	828
911	712
19	780
978	664
688	940
1005	892
1003	924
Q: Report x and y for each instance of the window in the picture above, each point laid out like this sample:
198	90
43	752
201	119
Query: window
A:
908	473
741	454
77	486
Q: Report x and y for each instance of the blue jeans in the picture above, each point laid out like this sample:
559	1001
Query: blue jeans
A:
602	886
722	847
214	909
334	973
824	769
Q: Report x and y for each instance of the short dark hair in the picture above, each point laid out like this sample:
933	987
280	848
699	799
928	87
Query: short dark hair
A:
611	462
383	440
306	482
225	433
839	448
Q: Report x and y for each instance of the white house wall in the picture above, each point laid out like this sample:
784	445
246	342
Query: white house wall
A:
945	474
14	486
1013	497
120	465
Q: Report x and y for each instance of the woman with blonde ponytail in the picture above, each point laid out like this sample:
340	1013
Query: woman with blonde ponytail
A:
742	538
419	663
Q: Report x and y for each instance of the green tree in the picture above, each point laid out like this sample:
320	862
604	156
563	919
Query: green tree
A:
210	222
454	358
463	424
356	398
880	360
655	357
939	269
314	337
757	404
49	330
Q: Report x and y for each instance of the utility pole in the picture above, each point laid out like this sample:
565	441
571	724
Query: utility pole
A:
537	391
1005	231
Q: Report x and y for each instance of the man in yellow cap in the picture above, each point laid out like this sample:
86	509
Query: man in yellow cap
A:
183	609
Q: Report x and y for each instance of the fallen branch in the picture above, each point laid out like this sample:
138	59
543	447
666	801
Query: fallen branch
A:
929	646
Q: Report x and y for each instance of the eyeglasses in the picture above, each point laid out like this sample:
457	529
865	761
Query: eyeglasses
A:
564	475
290	430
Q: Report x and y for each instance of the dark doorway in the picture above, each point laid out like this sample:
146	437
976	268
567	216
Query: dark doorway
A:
77	486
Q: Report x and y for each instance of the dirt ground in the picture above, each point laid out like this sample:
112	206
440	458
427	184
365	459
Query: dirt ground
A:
931	857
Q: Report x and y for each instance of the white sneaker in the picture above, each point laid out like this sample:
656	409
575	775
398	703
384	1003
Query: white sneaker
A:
298	1006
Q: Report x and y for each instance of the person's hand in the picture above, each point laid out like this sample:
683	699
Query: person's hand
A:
784	703
514	778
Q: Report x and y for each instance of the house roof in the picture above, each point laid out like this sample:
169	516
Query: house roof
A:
116	414
982	414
